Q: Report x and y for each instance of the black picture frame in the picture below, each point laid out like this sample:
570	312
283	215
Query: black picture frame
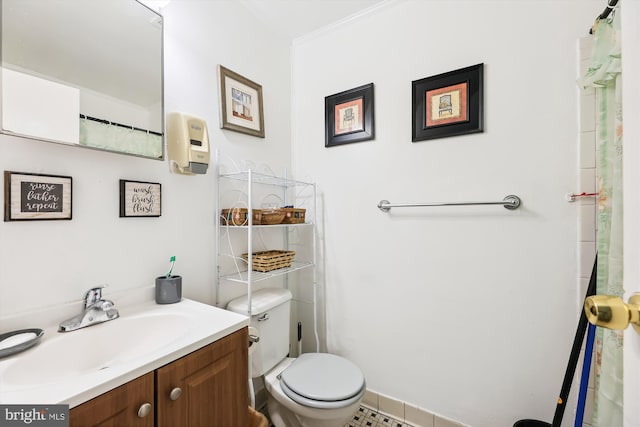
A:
349	116
448	104
140	199
36	196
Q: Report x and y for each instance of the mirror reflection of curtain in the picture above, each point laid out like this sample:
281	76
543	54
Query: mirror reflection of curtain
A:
121	139
605	75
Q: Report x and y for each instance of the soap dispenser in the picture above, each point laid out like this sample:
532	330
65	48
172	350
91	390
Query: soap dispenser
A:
187	144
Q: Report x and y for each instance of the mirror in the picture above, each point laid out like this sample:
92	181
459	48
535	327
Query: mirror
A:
83	72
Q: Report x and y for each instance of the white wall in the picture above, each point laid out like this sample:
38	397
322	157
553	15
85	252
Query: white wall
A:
468	312
45	263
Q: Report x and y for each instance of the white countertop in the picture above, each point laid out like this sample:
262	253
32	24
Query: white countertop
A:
146	336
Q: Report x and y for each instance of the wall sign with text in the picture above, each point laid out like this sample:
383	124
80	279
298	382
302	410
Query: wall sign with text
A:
139	199
30	196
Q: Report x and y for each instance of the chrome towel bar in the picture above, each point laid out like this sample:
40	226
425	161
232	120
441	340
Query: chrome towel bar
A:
510	202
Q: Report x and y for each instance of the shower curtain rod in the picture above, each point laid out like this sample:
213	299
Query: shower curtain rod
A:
607	11
107	122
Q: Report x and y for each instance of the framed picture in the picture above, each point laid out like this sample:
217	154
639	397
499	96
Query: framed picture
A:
140	199
240	103
448	104
349	116
31	196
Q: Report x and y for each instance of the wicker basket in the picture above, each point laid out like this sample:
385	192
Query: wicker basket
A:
256	419
271	217
293	215
239	216
270	260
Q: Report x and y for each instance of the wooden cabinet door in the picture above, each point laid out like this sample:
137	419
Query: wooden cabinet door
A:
118	407
214	386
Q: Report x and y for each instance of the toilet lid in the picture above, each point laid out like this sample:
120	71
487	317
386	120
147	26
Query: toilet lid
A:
322	377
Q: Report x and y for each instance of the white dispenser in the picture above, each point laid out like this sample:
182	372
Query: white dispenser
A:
187	144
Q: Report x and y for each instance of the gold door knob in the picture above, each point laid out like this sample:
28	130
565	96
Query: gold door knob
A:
611	312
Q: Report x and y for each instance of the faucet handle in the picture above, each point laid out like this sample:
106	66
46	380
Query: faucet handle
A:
93	295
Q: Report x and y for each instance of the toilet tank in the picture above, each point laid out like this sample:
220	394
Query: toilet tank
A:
270	315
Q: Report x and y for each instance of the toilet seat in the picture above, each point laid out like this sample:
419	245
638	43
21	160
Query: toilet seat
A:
321	380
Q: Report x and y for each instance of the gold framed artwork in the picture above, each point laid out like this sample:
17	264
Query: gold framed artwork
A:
241	106
349	116
448	104
32	196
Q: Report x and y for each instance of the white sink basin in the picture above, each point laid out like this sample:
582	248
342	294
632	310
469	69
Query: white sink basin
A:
95	348
73	367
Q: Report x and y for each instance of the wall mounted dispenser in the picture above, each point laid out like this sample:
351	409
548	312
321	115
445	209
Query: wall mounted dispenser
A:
187	144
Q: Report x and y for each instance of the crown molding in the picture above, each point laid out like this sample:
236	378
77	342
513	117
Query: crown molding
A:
385	4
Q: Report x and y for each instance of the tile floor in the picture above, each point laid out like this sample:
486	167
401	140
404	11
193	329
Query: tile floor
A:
366	417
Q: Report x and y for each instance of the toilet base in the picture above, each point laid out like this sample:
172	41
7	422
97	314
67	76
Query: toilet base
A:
282	417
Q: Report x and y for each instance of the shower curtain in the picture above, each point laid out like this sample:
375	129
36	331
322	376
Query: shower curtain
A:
120	139
604	74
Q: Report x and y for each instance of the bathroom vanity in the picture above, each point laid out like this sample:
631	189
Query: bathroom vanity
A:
156	365
212	379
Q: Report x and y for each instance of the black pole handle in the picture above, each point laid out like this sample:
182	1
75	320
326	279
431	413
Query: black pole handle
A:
575	351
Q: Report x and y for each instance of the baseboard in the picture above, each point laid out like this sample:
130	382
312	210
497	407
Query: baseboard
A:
407	412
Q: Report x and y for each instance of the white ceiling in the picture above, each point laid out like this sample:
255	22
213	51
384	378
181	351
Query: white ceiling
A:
295	18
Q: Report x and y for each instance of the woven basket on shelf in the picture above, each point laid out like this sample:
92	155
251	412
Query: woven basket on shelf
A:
293	215
239	216
270	217
270	260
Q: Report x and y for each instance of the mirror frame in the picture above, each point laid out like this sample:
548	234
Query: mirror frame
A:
155	19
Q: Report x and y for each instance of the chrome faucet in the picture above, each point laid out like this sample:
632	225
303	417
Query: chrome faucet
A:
95	310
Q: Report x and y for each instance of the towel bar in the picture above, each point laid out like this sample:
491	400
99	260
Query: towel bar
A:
510	202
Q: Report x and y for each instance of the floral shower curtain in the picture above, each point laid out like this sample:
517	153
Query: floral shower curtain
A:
605	75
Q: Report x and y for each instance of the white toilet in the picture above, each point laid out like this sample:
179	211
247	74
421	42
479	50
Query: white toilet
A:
313	390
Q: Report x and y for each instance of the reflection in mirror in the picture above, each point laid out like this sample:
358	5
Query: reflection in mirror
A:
84	72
